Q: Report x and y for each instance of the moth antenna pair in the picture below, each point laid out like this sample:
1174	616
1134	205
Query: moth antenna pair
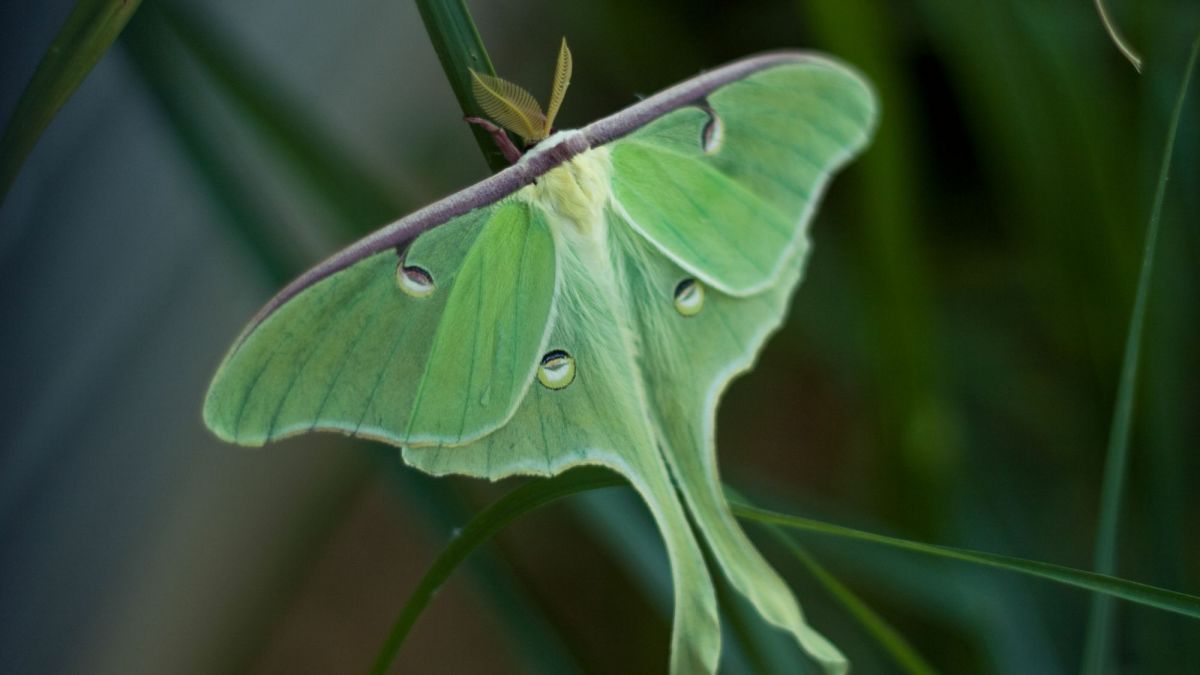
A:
515	109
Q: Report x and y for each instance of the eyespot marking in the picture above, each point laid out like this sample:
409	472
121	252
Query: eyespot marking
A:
415	281
713	133
556	370
689	297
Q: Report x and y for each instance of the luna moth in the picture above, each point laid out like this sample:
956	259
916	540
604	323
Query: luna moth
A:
586	306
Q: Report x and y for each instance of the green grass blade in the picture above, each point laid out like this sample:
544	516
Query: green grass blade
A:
534	637
83	39
488	522
904	654
540	492
1098	643
460	50
1118	38
890	639
1151	596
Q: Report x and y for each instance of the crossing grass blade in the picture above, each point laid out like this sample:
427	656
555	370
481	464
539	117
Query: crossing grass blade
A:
890	640
528	497
89	30
906	657
1118	38
1098	644
1144	594
540	492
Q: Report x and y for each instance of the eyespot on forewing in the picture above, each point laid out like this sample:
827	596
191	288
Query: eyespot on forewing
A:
414	281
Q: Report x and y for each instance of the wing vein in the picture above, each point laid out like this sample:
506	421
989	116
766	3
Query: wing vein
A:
312	347
379	378
369	324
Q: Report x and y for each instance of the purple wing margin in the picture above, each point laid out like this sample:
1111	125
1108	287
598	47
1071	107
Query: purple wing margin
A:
535	163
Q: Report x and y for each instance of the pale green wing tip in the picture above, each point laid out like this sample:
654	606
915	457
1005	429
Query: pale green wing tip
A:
690	661
831	659
222	430
869	95
221	427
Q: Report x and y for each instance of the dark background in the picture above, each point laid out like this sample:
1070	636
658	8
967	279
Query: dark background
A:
947	372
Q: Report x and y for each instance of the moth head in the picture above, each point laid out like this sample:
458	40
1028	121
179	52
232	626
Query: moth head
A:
515	109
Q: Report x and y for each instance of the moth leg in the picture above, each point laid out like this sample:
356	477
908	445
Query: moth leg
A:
510	151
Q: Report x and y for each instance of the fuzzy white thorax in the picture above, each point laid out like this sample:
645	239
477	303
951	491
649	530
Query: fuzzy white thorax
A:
573	196
575	192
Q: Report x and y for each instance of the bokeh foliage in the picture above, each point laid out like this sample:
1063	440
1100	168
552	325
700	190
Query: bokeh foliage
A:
947	372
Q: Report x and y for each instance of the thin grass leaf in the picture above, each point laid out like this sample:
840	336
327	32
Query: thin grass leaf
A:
531	633
1143	594
621	524
540	492
891	640
1098	645
83	39
1118	38
528	497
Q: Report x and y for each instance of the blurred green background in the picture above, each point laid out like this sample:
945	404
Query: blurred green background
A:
947	372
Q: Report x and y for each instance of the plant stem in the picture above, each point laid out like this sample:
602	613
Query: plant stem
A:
460	50
526	498
1096	648
1118	39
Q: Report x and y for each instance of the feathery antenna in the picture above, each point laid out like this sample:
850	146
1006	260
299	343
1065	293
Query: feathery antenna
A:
515	109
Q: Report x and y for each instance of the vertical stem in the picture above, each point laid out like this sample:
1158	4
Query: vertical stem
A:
1118	39
460	50
479	530
1097	647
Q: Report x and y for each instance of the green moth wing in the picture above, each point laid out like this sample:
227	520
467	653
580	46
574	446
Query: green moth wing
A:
400	349
720	187
587	306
